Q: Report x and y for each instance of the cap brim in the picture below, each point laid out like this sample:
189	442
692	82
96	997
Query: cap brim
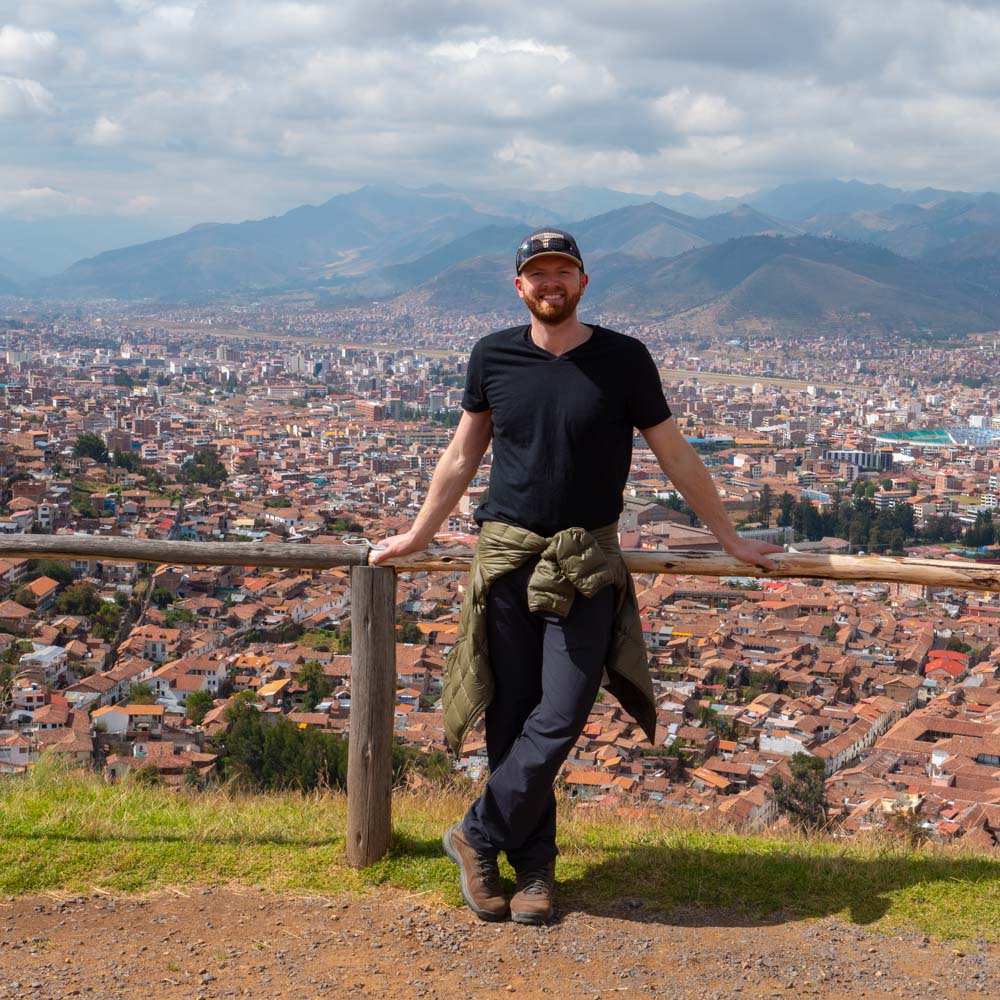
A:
550	253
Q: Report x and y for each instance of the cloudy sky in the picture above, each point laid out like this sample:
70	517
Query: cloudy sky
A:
221	110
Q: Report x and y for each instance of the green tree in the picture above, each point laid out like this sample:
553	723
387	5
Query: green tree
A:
141	694
956	645
407	631
79	599
765	680
89	445
205	469
54	569
175	616
316	683
243	741
344	639
124	379
108	619
804	797
161	598
786	509
766	505
197	706
126	460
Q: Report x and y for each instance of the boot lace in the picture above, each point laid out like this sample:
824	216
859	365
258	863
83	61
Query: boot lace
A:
535	882
488	872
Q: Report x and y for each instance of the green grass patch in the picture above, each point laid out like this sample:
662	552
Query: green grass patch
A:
72	832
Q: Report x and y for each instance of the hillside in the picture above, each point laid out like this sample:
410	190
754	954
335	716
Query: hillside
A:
913	230
347	236
781	284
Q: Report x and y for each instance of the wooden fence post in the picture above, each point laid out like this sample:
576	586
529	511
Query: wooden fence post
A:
373	700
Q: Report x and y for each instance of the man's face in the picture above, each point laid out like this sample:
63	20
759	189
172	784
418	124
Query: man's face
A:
551	287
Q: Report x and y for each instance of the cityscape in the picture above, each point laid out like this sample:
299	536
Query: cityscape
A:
294	424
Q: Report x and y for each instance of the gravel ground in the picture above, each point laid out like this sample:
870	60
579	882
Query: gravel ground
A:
214	943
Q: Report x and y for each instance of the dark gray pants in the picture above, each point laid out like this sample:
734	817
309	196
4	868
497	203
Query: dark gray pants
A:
548	671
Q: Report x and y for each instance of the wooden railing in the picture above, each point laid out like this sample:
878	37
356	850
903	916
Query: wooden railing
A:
373	618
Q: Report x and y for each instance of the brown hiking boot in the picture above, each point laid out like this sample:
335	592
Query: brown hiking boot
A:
534	900
480	876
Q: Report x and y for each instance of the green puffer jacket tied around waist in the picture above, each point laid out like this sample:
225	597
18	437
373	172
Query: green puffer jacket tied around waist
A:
571	561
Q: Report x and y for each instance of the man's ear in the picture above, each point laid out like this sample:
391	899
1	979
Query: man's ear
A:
517	285
584	280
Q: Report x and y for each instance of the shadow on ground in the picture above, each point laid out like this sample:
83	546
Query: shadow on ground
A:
687	886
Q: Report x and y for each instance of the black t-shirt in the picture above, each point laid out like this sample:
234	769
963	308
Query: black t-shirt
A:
562	425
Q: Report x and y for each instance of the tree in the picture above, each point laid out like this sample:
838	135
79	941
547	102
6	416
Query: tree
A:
407	631
786	507
109	617
804	797
126	460
79	599
141	694
161	598
198	705
54	569
316	683
344	639
175	616
766	503
124	379
89	445
205	469
765	680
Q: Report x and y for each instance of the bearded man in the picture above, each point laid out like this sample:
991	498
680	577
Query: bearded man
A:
550	609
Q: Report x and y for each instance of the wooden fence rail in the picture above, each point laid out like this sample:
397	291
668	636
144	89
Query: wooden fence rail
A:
373	618
961	574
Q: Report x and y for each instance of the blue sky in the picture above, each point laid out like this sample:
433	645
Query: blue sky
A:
221	110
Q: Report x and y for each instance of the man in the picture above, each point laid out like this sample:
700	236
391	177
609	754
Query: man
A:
550	605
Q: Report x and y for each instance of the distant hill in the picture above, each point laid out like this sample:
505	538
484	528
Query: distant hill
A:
803	282
975	258
374	243
8	287
914	230
346	237
780	284
809	199
444	249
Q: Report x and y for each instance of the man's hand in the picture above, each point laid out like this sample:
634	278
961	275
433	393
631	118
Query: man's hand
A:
750	550
398	546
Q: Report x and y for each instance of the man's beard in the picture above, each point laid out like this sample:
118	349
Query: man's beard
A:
550	312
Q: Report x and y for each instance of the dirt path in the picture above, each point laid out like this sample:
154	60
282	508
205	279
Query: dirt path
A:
214	943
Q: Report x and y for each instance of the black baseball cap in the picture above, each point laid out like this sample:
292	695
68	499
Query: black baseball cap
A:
548	241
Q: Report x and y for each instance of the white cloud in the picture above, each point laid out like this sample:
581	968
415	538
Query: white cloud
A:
698	113
249	106
41	201
464	51
105	132
140	204
19	96
24	51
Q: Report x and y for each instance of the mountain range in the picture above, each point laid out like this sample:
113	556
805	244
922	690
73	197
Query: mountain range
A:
823	254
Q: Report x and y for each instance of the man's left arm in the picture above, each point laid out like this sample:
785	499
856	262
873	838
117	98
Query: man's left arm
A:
687	472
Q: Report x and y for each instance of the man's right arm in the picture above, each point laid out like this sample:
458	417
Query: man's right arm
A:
453	473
